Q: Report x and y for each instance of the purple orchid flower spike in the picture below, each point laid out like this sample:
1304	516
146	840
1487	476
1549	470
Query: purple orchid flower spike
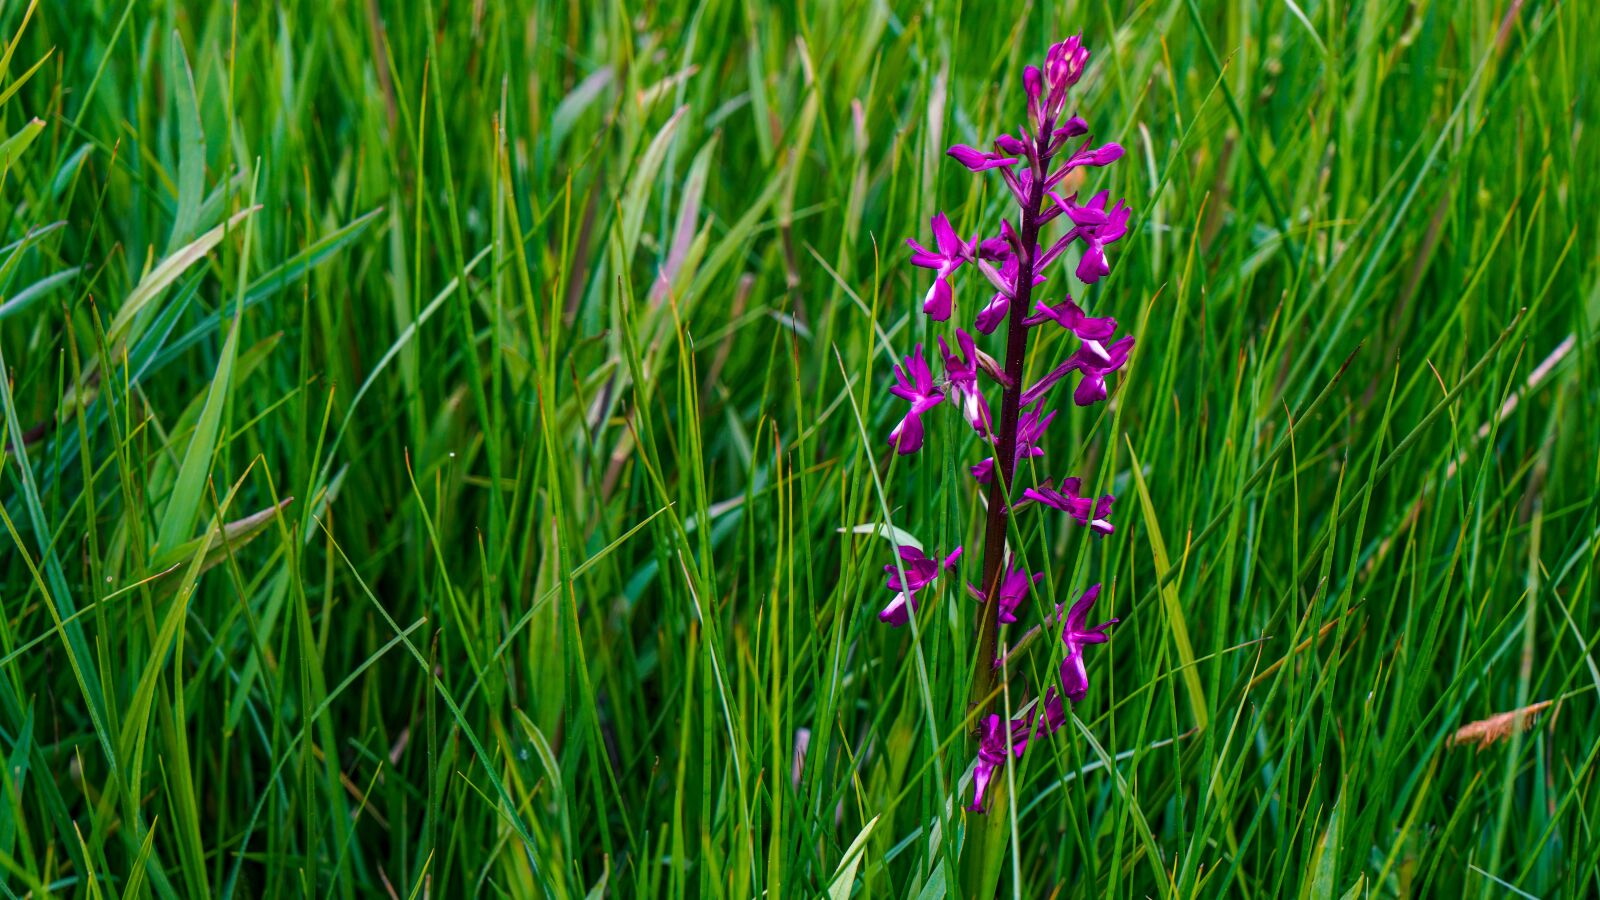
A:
1013	590
1076	635
962	374
920	570
1034	163
914	382
950	254
1071	317
1030	427
1092	514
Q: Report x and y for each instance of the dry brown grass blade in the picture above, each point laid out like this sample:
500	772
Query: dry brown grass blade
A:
1498	727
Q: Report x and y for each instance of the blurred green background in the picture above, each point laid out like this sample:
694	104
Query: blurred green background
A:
444	439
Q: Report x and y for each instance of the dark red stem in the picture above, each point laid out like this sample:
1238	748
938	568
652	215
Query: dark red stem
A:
1005	445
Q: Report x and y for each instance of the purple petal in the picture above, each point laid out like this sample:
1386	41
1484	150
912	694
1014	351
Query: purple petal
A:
940	300
990	317
1091	390
906	438
1074	678
1033	82
898	612
1069	129
984	471
994	249
1095	329
1011	145
976	160
923	257
949	244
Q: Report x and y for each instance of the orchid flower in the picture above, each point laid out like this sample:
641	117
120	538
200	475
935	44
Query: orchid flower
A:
1096	227
1013	590
914	382
992	752
1033	163
1076	635
961	373
1030	427
949	256
977	160
1071	317
1091	514
1094	361
920	570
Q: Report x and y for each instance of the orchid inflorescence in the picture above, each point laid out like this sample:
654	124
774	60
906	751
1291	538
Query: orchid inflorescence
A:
1034	165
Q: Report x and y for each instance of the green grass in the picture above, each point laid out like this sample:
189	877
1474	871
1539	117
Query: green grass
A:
567	328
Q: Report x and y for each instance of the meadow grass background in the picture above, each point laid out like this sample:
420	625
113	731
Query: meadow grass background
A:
567	328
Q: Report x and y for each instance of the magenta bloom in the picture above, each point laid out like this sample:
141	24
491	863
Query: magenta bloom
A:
1071	317
1064	65
1034	162
1096	227
1092	514
1074	677
992	752
1013	590
976	160
1094	361
920	570
950	255
994	312
914	383
1030	427
1053	713
962	374
1103	155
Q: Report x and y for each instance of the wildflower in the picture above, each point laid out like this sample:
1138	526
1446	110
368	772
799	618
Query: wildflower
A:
1074	677
1071	317
995	311
914	383
1013	590
1011	146
1094	361
977	160
1104	155
919	571
950	255
1063	66
992	752
1037	165
961	372
1052	713
1030	427
1097	227
1091	514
